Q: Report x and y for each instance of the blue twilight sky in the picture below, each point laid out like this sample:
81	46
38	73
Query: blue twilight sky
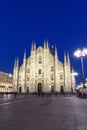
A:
62	22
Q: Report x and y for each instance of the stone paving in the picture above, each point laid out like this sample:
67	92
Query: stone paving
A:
43	113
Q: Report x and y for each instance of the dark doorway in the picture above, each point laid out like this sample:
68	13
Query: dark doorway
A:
39	88
61	89
52	88
20	89
27	89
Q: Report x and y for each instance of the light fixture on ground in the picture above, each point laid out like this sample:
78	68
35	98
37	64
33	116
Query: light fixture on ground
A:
80	53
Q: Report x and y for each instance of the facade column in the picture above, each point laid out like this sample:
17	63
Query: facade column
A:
15	76
24	73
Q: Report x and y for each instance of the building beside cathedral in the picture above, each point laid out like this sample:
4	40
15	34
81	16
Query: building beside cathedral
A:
42	71
6	82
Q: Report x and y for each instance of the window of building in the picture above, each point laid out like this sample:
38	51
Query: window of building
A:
39	71
52	77
61	77
27	78
40	59
52	68
28	70
20	78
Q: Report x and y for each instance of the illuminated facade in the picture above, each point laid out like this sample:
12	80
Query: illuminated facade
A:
42	71
6	82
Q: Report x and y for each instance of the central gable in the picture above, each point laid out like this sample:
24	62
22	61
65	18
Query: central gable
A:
39	49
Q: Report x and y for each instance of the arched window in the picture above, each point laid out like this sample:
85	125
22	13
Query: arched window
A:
20	78
52	77
40	59
52	68
28	70
61	77
27	78
39	71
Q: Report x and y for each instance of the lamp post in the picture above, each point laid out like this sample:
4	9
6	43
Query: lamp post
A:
81	53
73	74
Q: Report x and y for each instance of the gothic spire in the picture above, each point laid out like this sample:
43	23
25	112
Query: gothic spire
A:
17	62
34	45
65	59
56	55
68	59
55	50
46	44
25	54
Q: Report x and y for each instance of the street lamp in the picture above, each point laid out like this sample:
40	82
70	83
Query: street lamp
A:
10	75
81	53
74	74
73	84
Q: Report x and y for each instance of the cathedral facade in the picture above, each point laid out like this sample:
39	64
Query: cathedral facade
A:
42	71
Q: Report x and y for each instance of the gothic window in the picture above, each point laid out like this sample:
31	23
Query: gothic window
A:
61	77
20	78
52	77
27	78
40	59
52	68
39	71
28	70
